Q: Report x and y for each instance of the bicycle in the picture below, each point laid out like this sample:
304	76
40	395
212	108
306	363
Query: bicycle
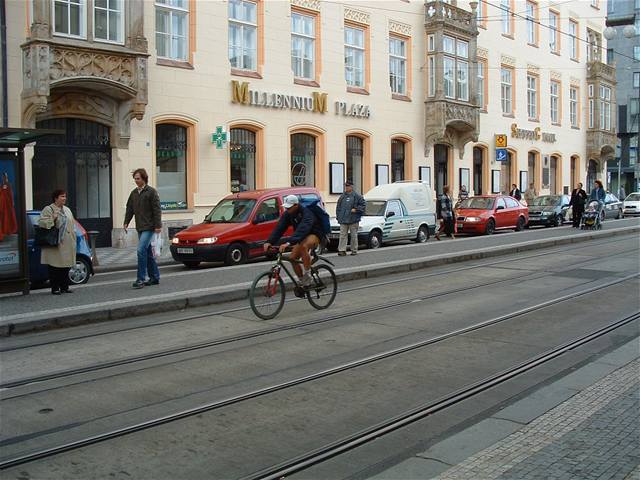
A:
267	292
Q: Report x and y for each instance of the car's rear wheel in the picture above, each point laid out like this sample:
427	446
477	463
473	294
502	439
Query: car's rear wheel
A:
191	264
80	272
375	240
236	254
520	224
491	227
423	234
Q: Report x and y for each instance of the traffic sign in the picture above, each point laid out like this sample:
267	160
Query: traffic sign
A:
501	155
501	141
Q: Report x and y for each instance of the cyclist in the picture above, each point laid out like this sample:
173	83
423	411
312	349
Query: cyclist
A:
306	236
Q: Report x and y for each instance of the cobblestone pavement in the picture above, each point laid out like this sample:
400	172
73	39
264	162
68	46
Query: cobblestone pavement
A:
593	435
108	256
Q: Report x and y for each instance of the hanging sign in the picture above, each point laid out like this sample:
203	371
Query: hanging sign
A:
219	137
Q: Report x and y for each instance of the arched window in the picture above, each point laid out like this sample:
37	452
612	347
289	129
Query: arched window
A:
398	156
242	154
303	160
171	165
532	167
478	161
355	155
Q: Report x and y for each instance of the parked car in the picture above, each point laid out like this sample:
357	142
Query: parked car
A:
549	210
631	205
612	207
488	213
237	227
394	211
39	273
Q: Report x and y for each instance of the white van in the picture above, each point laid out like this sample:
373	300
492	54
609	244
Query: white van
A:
395	211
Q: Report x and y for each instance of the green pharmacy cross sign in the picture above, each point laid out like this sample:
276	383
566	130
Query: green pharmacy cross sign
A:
219	137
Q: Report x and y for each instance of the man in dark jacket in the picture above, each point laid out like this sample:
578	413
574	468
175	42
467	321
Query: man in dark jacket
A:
306	236
446	213
350	208
578	197
515	192
144	203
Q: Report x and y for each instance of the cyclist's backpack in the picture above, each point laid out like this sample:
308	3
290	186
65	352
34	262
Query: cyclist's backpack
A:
320	213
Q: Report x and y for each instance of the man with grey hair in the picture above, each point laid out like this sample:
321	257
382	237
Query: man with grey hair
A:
350	208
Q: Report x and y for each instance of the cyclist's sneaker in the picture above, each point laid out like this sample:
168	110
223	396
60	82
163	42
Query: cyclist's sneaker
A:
307	280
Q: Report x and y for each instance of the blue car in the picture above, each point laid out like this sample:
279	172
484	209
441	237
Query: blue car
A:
39	273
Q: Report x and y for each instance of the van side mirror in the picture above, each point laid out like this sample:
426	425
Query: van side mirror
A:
390	214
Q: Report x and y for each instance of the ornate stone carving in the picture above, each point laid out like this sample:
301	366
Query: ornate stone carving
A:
533	68
482	53
555	75
450	123
574	81
400	28
454	18
455	112
92	106
508	60
356	16
310	4
67	63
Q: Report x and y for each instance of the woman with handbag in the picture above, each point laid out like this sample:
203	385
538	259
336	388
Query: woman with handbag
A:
61	257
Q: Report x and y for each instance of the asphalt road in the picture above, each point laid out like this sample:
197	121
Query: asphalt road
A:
238	439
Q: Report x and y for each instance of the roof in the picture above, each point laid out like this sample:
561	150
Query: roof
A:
257	194
19	137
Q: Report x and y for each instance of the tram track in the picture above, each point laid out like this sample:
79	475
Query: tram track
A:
335	448
270	331
197	316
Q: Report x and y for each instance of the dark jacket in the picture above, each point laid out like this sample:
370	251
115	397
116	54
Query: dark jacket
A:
444	207
346	202
304	223
578	197
146	208
515	193
598	194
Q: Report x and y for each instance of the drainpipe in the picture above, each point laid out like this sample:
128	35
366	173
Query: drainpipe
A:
3	54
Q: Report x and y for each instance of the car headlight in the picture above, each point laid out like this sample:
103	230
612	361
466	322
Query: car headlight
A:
208	240
175	240
472	219
546	214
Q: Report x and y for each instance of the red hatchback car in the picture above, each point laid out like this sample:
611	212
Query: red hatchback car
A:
237	227
488	213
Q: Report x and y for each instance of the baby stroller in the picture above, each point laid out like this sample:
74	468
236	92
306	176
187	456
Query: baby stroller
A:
592	216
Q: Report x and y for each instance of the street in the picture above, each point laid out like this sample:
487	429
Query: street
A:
211	392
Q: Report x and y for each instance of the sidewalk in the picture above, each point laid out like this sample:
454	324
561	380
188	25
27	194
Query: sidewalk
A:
113	259
591	430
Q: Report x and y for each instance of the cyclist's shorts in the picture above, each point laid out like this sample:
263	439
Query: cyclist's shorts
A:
311	240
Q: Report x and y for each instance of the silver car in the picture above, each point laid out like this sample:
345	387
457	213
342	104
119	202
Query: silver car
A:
612	207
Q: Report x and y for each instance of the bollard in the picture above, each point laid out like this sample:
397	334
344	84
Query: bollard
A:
93	234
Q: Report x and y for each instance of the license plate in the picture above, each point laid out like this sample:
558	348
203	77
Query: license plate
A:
185	250
460	225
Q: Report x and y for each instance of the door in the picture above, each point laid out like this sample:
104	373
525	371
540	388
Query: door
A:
80	163
477	170
264	221
513	207
502	214
441	156
394	226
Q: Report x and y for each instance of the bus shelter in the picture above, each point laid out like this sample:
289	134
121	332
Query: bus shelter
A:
14	255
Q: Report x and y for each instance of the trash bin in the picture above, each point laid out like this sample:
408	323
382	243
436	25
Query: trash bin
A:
93	235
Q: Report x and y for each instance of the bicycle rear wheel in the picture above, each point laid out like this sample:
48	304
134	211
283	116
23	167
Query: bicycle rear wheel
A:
266	295
322	294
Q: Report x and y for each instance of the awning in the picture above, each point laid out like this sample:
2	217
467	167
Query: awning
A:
19	137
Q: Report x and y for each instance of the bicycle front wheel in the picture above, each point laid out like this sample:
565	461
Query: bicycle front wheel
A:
266	295
323	292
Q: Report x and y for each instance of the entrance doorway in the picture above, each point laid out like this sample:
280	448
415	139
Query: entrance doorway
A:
574	172
505	174
532	160
441	153
553	175
80	163
592	172
478	157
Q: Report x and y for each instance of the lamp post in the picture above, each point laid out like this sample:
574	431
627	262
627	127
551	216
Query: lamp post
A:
629	32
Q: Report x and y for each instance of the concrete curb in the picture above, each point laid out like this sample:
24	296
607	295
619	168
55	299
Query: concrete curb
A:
227	293
118	267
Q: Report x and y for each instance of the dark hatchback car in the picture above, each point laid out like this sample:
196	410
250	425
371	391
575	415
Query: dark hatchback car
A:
549	210
39	274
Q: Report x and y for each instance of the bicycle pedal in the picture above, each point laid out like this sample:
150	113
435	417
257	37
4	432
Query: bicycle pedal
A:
299	292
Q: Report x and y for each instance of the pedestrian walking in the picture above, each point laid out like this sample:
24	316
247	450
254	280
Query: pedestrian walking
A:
578	197
446	213
598	193
350	208
622	193
62	257
144	204
515	192
530	194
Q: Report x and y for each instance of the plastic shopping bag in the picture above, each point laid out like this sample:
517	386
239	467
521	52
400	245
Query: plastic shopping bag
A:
156	245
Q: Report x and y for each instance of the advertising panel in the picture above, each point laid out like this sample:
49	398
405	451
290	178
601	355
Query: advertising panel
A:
9	242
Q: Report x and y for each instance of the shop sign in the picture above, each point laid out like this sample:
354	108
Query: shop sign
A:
240	93
219	137
353	110
535	134
9	257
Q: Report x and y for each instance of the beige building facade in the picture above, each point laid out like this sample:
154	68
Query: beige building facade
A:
215	97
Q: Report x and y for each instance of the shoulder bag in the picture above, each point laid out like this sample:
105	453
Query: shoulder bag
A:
47	237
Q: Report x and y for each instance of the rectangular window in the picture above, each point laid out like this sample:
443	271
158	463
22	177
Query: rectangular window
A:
609	56
573	106
354	56
462	49
633	107
462	74
594	3
432	76
449	77
554	43
591	105
573	35
605	108
505	7
531	25
108	20
449	45
506	90
636	53
398	65
636	79
303	45
69	17
431	43
243	34
554	98
172	29
482	100
532	97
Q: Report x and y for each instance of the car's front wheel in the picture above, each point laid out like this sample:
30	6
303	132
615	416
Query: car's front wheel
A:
491	227
558	221
236	254
375	240
80	272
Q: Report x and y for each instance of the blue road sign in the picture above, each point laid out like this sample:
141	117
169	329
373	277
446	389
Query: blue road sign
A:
501	155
